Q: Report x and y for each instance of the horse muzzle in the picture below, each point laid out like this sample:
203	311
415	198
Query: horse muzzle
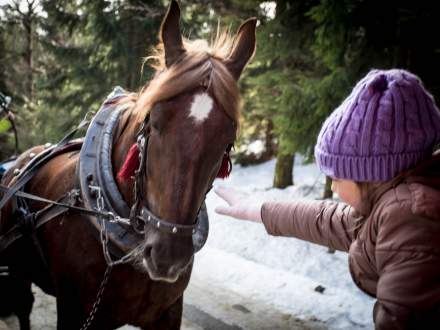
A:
166	257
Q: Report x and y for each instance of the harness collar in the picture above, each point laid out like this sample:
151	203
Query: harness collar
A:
95	170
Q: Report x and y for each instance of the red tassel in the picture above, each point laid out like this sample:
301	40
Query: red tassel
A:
131	164
225	168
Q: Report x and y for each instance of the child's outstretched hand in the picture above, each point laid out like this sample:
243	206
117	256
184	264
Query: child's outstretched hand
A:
240	206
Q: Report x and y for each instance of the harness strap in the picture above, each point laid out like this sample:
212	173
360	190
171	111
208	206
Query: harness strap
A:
35	220
72	195
32	170
29	223
10	237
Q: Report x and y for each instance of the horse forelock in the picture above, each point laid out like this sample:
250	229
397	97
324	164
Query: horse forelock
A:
201	65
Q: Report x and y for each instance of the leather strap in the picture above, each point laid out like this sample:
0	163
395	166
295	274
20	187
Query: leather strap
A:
166	226
69	196
34	220
30	171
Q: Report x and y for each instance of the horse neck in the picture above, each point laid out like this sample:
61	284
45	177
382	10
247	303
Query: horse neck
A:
125	138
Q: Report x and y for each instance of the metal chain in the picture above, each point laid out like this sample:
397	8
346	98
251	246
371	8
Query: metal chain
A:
141	142
104	240
100	205
103	215
97	302
104	237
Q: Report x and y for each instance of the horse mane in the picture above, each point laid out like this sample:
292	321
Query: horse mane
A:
201	64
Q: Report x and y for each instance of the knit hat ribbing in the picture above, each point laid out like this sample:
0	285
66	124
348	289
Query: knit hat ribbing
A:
385	126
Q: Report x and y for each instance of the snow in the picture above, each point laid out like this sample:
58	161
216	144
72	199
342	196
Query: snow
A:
255	147
282	272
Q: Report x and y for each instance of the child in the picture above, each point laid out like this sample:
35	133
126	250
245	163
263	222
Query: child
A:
378	148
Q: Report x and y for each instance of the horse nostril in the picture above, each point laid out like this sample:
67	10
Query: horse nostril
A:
173	270
150	255
147	252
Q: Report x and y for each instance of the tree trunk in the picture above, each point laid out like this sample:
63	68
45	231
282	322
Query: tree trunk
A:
28	24
270	147
29	60
130	58
284	170
3	65
328	193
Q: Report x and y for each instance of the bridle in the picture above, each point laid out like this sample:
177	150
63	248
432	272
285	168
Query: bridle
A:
140	216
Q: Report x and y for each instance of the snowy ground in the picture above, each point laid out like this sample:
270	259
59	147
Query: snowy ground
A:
246	279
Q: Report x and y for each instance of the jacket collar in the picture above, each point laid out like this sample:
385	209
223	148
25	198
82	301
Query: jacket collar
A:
426	173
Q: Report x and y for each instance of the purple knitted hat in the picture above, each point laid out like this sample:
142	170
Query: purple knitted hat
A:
388	124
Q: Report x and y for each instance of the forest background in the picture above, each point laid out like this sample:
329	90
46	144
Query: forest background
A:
59	59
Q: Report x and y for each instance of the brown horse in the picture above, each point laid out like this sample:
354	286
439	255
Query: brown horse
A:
193	109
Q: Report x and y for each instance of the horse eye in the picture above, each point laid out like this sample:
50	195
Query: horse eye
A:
155	121
154	125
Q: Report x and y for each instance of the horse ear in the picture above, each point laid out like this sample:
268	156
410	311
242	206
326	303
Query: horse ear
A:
243	48
170	34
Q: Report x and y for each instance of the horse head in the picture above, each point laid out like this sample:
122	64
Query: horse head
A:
192	105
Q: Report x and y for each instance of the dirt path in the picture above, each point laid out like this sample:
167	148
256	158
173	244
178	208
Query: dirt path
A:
212	307
207	306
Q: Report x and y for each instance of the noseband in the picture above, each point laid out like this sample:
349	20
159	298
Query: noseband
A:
149	219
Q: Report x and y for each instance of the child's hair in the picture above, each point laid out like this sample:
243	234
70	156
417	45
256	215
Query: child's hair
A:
366	189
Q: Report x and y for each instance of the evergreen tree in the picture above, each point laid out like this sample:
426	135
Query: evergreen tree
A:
19	21
21	17
3	65
309	55
90	47
284	61
352	37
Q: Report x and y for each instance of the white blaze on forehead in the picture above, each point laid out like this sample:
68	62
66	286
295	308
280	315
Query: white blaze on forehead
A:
201	106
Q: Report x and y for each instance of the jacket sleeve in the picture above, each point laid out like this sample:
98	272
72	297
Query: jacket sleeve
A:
408	264
326	223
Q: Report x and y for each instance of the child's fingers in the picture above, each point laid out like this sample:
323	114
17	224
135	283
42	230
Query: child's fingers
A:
223	210
230	195
230	212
